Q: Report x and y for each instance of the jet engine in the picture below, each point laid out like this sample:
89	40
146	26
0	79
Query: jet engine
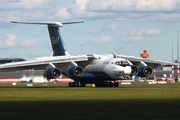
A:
75	71
144	71
134	70
52	73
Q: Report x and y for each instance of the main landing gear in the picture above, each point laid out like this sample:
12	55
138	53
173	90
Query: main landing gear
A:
107	84
97	84
76	84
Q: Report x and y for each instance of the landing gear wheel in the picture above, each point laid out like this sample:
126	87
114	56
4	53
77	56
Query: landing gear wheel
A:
76	84
71	84
110	84
100	84
82	85
116	84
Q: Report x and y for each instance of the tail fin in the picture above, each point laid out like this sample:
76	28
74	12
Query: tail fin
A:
57	43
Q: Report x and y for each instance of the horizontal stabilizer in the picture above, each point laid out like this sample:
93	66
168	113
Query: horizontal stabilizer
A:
57	43
55	24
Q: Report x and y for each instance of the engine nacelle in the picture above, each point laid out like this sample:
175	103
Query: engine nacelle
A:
134	70
75	71
52	73
144	71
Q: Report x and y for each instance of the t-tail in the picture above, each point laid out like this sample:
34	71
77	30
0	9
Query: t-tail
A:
57	42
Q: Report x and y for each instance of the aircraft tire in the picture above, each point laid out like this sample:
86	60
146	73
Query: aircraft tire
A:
77	84
71	84
99	84
83	85
96	85
110	84
116	84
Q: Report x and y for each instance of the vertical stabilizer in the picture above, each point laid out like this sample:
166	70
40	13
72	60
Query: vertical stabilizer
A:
57	41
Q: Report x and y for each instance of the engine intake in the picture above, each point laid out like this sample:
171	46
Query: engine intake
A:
144	71
75	71
52	73
134	70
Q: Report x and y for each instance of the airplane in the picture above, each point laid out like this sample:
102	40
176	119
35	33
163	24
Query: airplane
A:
103	70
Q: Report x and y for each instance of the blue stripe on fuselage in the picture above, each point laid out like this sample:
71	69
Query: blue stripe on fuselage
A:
95	76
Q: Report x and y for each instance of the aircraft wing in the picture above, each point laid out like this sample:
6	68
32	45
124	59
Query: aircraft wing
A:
149	62
42	63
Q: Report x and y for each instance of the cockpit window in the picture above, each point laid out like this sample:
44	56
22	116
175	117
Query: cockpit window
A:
121	62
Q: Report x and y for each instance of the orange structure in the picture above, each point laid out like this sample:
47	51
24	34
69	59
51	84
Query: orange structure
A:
144	54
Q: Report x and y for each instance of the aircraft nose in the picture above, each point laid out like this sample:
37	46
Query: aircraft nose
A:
127	70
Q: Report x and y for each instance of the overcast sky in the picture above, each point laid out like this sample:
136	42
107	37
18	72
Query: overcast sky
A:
123	26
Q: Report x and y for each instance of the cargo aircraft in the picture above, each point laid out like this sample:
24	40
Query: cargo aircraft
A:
103	70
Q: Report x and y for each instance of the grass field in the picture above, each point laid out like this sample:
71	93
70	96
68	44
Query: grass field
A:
138	101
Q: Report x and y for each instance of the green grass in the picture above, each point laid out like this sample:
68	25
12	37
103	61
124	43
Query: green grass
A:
137	102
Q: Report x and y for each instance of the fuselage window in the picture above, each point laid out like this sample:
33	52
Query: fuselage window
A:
121	62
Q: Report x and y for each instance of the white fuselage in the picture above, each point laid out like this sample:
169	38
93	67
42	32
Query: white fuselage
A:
108	68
